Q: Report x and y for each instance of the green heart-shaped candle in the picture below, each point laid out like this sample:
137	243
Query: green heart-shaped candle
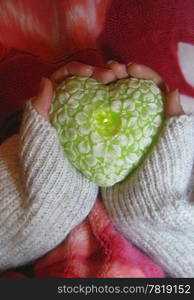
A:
105	130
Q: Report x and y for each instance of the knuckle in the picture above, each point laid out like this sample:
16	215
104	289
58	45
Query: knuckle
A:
136	68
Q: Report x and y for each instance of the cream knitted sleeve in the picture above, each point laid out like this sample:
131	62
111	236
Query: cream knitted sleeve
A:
152	207
42	197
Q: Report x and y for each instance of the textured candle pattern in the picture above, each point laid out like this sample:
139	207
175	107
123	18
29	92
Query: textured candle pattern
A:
105	130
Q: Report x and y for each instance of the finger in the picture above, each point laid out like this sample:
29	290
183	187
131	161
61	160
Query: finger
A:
118	69
172	104
72	68
144	72
42	101
103	75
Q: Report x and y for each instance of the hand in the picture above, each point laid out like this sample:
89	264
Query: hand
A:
172	104
111	72
44	97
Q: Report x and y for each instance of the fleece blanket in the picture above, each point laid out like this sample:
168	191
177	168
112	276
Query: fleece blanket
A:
36	38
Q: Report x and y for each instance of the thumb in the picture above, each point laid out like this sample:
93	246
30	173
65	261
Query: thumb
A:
173	106
42	101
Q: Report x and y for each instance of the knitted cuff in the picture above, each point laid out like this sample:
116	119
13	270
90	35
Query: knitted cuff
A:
40	155
162	179
37	139
43	163
43	197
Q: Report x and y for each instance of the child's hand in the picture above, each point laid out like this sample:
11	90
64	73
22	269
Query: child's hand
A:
43	100
111	72
172	104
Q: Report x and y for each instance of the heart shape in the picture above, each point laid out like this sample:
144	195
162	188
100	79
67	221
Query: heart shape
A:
105	130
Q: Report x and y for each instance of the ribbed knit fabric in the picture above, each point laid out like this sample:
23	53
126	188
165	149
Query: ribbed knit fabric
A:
152	207
42	197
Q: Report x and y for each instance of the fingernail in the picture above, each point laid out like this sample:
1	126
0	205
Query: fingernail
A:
177	96
178	102
166	87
